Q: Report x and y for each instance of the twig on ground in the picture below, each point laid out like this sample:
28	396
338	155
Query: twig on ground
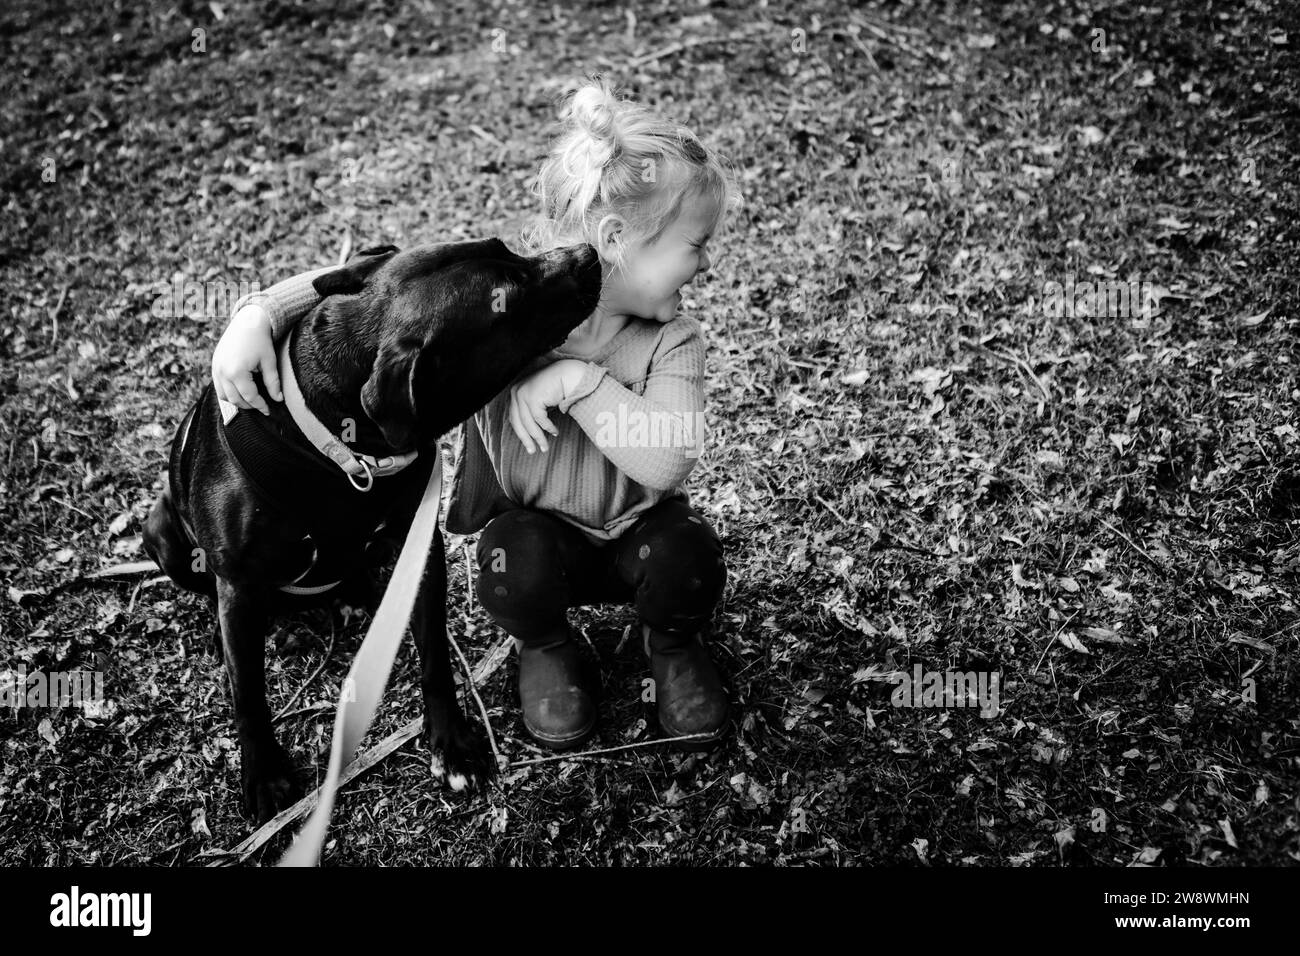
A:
469	580
72	507
121	570
482	710
1133	544
316	673
309	709
1019	362
1057	634
857	41
599	754
54	314
825	504
883	35
684	45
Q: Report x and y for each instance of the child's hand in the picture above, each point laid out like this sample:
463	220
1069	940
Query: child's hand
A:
532	397
245	348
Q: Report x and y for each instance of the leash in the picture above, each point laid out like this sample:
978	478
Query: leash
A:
368	676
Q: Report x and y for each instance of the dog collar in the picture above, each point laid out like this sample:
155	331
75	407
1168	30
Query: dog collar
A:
362	470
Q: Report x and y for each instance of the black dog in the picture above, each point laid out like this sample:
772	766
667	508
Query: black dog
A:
404	347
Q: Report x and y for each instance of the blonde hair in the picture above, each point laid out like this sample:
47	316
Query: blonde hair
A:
614	156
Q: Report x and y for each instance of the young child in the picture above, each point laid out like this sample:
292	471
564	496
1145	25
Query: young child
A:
587	507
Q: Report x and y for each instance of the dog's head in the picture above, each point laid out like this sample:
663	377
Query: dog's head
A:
452	325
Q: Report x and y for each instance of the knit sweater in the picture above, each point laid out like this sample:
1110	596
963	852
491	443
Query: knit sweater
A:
629	434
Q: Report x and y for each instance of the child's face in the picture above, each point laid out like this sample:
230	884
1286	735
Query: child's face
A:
653	273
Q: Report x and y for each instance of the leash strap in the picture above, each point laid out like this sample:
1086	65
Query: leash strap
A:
372	666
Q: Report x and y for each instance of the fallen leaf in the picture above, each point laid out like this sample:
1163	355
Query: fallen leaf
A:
1103	634
1073	643
1226	826
199	822
1019	580
18	596
1091	135
1254	642
1064	838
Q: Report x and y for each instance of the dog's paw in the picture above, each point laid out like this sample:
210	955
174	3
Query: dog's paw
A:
268	782
458	758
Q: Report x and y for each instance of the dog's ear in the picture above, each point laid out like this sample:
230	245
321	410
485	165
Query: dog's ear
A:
351	278
389	393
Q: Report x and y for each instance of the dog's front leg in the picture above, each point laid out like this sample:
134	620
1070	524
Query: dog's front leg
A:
266	773
457	756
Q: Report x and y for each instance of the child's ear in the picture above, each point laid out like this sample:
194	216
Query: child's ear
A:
609	238
351	278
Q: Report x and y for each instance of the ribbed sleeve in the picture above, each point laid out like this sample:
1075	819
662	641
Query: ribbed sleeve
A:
650	437
285	302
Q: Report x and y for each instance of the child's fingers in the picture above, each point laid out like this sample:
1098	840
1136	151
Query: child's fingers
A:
539	414
226	392
517	424
533	423
248	389
529	422
271	376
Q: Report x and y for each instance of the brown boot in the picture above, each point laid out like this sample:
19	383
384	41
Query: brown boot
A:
688	691
559	708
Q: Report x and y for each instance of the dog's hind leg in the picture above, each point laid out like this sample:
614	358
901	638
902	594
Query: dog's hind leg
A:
166	542
457	756
265	769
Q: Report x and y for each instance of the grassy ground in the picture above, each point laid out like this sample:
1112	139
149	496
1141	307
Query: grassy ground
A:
910	462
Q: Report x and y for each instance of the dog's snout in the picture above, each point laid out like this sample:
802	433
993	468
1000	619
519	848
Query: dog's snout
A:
570	260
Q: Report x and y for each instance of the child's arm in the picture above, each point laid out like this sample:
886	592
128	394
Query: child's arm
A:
663	436
653	438
258	321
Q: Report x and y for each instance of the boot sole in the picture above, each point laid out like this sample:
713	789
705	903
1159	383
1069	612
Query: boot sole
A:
697	743
561	743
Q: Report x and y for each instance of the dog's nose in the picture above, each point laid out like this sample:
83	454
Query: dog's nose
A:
570	260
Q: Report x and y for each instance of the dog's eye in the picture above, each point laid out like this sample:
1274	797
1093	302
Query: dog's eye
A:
516	276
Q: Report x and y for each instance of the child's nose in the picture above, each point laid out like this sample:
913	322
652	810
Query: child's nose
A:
705	264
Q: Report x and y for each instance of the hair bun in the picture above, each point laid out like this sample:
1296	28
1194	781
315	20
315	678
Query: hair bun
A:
593	109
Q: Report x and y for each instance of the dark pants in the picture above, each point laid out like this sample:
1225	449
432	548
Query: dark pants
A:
533	566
